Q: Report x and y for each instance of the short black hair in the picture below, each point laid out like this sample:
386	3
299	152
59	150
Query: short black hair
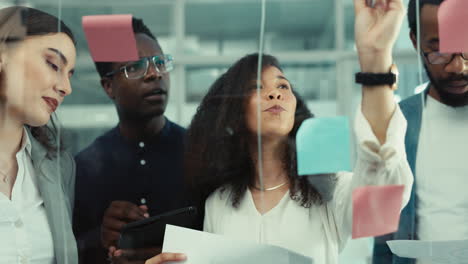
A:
412	12
138	27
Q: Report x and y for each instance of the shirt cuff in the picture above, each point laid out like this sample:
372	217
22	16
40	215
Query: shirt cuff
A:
369	147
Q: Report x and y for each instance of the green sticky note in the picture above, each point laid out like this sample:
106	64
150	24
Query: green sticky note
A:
323	146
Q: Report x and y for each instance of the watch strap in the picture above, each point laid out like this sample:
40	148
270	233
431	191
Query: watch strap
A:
371	79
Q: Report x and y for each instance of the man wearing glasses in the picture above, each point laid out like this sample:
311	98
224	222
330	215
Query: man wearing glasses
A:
435	144
134	170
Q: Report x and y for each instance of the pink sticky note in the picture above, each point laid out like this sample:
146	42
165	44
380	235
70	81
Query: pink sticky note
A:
110	38
376	210
453	18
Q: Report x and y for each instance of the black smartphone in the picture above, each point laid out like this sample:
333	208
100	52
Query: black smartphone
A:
149	232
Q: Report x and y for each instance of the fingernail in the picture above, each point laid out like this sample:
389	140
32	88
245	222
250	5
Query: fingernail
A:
118	253
181	256
146	215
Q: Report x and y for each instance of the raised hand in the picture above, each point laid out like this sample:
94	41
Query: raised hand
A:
376	30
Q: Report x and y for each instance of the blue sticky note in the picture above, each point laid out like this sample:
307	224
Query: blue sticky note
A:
323	146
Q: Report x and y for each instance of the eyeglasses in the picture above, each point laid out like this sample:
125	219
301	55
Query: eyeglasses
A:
436	57
138	69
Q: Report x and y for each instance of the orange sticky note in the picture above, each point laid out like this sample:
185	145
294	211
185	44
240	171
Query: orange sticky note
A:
376	210
453	18
110	38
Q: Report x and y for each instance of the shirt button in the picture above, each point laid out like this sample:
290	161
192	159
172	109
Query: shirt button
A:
142	162
19	224
141	144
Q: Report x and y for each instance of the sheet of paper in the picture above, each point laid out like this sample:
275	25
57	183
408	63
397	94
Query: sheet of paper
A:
206	248
323	146
110	38
434	252
453	18
357	251
376	210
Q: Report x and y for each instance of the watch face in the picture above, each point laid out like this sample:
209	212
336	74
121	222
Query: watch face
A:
394	70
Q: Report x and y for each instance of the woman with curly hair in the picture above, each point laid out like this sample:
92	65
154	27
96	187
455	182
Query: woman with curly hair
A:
281	208
222	137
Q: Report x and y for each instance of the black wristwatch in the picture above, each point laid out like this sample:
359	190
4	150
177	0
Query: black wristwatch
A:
375	79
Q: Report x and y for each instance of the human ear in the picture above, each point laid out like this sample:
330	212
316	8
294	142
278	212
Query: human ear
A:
413	40
107	85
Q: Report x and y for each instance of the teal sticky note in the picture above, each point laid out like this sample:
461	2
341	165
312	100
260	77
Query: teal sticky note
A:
323	146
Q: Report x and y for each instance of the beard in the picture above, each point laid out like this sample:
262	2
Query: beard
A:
450	99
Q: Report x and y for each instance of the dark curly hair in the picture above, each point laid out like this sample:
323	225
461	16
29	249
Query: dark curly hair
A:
412	12
36	23
218	141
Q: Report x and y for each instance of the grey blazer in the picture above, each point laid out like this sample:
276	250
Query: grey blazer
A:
56	183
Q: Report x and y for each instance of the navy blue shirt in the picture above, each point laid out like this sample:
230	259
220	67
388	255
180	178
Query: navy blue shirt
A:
114	168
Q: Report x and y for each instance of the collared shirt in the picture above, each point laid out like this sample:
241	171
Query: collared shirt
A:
114	168
25	234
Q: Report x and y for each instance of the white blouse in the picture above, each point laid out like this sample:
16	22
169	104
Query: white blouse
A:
25	235
321	231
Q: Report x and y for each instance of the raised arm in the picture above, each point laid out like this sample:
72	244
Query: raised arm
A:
380	126
376	30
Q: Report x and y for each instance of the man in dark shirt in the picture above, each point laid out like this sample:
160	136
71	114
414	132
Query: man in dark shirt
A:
134	170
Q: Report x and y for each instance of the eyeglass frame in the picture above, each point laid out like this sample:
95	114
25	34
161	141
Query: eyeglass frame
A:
426	54
147	59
